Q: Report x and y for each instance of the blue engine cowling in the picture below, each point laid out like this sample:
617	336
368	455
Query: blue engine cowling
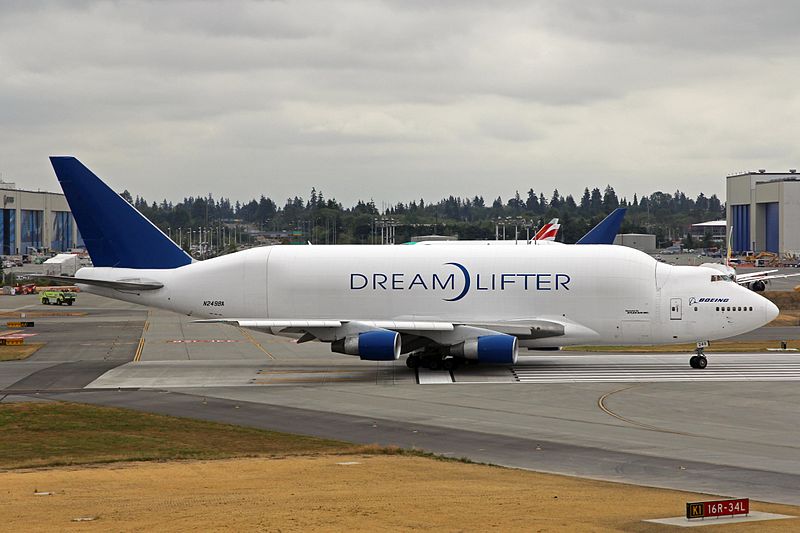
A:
373	345
500	349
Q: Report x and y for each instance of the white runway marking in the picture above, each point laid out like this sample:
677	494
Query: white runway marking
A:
633	368
433	377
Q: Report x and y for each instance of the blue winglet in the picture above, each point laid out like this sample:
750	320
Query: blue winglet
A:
606	230
115	233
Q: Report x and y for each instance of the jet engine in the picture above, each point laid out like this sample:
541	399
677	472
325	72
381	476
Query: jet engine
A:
497	349
373	345
757	286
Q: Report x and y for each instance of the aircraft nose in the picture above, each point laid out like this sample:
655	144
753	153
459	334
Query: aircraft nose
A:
771	311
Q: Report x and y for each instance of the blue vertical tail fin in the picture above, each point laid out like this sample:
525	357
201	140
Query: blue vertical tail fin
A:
606	230
115	233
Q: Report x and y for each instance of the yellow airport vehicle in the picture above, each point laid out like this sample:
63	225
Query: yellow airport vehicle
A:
57	297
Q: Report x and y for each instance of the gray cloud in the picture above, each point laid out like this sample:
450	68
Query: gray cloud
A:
396	100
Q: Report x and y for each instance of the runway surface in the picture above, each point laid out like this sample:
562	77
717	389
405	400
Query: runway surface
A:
731	429
597	368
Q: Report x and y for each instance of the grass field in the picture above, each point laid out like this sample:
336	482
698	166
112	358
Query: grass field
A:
295	484
17	353
52	434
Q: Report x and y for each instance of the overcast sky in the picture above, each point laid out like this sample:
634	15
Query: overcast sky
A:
397	100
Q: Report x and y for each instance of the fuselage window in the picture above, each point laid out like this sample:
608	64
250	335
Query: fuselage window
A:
740	309
751	308
717	308
695	309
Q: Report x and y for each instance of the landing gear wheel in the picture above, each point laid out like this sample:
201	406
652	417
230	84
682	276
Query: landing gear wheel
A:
699	359
435	363
45	301
412	362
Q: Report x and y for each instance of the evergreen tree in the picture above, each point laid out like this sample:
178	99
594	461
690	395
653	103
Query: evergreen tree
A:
596	201
586	199
610	201
532	203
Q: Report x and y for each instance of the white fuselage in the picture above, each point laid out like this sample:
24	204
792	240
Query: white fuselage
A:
602	294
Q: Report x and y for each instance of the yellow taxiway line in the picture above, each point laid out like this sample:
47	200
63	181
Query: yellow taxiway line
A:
138	356
256	343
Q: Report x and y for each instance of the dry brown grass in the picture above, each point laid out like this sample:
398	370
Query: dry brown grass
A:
319	493
16	353
39	314
786	318
785	300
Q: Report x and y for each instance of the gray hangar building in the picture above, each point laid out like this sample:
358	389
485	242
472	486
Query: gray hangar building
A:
35	220
764	210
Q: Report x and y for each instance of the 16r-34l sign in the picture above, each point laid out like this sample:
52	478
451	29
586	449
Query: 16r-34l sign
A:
718	508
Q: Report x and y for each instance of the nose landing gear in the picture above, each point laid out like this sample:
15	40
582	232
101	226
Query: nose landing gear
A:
699	360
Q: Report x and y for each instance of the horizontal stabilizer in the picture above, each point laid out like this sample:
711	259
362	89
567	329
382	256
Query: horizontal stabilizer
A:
606	231
122	285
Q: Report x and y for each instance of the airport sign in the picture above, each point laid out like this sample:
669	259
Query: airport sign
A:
717	508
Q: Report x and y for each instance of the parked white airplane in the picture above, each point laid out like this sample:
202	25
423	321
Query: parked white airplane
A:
544	235
442	305
602	233
755	281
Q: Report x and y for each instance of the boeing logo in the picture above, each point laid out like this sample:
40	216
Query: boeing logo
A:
694	300
457	283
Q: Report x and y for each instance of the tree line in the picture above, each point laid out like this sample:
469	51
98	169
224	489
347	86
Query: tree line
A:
325	220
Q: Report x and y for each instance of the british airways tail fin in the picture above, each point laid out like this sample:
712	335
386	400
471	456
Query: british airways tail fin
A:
606	230
115	233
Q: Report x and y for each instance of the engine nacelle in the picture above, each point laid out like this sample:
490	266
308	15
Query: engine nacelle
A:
374	345
500	349
757	286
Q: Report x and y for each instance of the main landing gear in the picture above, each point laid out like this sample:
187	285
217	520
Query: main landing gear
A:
433	361
699	360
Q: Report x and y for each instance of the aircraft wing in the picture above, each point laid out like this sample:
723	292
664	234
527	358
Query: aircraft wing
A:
753	275
327	328
749	278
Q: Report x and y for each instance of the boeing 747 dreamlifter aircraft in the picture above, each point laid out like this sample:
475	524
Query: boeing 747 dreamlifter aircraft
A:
440	304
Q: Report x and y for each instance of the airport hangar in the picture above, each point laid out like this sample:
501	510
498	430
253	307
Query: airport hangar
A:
764	210
35	220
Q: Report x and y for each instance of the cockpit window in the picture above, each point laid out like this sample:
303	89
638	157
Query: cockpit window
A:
722	277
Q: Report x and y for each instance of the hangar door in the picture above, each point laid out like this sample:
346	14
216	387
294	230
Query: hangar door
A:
772	226
741	228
